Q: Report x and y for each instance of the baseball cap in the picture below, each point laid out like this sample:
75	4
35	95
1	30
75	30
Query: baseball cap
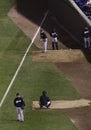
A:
44	92
17	94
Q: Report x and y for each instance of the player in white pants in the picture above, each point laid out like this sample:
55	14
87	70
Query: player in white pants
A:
20	115
43	36
54	37
87	37
19	104
87	42
45	45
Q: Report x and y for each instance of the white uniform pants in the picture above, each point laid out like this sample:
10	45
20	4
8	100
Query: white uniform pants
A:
45	45
20	115
54	40
54	43
87	42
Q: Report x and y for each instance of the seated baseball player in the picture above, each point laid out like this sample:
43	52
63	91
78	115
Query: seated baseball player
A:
44	100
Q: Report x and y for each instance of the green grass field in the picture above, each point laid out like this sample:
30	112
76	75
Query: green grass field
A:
33	78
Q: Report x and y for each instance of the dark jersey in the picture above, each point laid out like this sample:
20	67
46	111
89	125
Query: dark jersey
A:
86	33
18	102
44	99
53	34
43	35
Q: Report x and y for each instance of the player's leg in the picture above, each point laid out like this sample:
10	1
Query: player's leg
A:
56	45
48	104
85	42
18	113
45	45
88	42
21	115
53	41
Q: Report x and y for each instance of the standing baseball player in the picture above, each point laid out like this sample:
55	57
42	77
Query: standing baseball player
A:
54	37
43	36
19	104
86	37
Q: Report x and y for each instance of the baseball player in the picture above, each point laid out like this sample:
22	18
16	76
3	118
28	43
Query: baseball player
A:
19	104
86	37
54	37
44	100
43	36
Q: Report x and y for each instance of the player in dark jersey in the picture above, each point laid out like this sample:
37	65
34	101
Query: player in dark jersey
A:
54	37
44	100
19	104
43	37
86	37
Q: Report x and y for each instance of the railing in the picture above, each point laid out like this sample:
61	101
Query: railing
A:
85	6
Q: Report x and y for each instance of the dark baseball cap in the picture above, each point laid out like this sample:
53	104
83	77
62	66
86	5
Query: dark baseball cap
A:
44	92
17	94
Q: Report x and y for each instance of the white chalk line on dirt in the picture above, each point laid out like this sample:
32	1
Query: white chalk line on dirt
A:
21	63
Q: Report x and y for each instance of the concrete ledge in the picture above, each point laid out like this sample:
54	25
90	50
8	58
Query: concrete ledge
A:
64	104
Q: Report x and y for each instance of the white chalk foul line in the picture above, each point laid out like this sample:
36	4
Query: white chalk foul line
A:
19	67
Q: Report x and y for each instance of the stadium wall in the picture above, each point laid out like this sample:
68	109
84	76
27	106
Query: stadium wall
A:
66	11
70	16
